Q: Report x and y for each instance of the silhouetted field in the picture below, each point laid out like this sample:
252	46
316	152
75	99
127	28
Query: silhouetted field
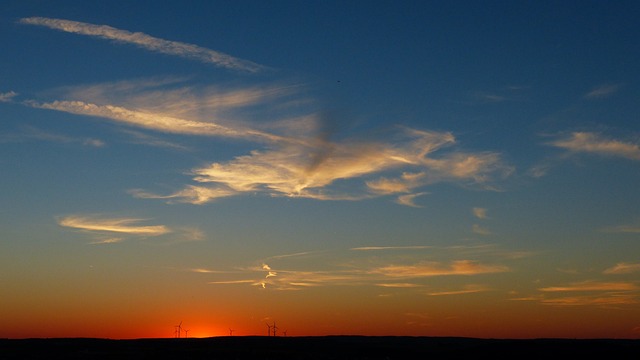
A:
317	347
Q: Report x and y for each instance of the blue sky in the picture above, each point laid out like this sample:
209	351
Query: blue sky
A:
394	154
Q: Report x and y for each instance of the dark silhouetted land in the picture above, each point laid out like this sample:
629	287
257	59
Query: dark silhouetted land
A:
316	347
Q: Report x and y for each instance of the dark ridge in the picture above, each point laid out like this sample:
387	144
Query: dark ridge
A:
313	347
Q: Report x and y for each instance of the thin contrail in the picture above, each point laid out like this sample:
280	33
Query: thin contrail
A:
148	42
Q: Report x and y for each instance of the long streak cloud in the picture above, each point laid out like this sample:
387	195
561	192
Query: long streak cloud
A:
147	42
114	225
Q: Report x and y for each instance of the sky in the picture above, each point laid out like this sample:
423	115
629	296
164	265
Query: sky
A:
420	168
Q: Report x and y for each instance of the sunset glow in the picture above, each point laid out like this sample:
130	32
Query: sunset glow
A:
213	168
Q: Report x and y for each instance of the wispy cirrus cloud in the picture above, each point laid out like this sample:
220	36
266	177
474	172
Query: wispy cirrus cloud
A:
480	213
633	229
378	248
188	51
399	285
593	286
594	143
409	199
33	133
607	300
113	225
480	230
8	96
151	120
295	155
310	169
428	269
399	267
467	289
593	293
623	268
602	91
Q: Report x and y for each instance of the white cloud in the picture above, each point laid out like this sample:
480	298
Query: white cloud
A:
8	96
602	91
147	42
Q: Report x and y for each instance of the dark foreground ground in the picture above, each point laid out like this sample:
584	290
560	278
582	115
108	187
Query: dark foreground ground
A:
318	347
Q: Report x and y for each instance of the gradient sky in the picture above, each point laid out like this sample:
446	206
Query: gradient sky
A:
426	168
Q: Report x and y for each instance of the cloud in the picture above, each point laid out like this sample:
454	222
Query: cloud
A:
602	91
593	293
190	194
188	51
468	289
593	286
111	240
390	267
594	143
151	120
8	96
624	229
623	268
377	248
32	133
399	285
114	225
296	153
480	230
606	300
480	213
293	169
427	269
408	200
149	140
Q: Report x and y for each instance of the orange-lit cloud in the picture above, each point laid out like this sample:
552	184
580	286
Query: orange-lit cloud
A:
604	300
427	269
468	289
408	199
623	268
414	247
8	96
480	213
151	120
147	42
298	271
117	225
593	286
399	285
595	143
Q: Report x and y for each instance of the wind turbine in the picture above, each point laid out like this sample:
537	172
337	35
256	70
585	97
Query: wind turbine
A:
274	328
179	329
186	333
269	329
230	332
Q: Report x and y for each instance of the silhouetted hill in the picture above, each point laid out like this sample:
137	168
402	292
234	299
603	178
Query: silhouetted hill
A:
316	347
